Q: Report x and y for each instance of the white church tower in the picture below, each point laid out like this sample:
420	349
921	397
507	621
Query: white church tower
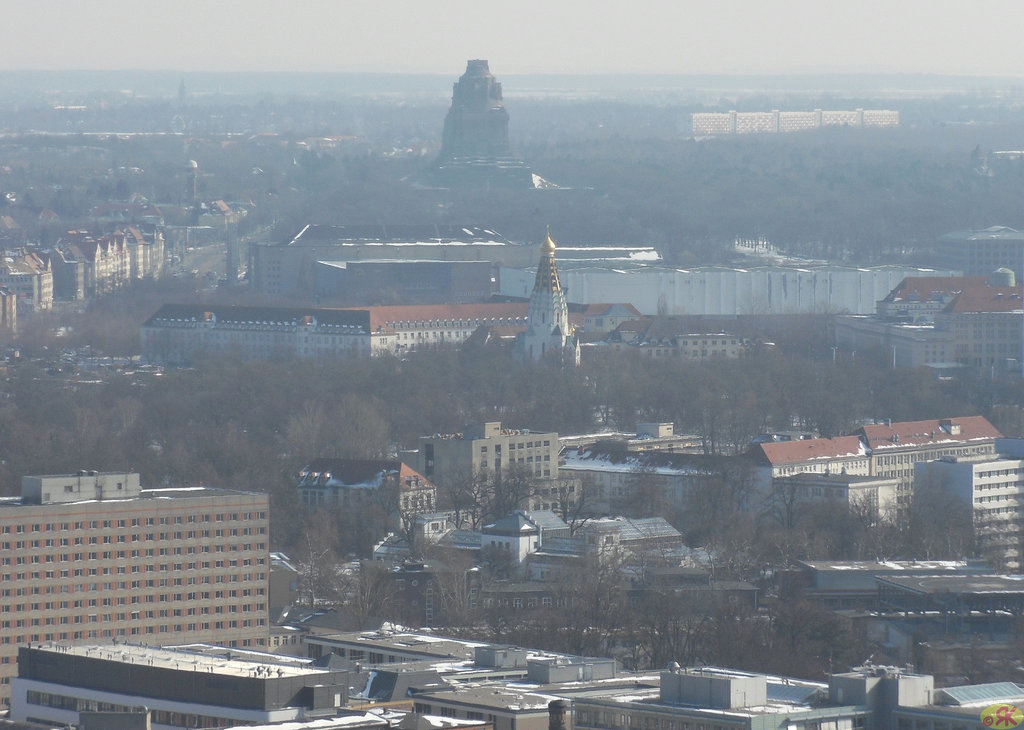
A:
547	320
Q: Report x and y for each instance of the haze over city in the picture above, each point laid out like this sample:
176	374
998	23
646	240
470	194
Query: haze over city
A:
512	365
520	36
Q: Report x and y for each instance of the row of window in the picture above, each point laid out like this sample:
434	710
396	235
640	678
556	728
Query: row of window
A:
134	522
163	717
135	554
519	445
21	623
107	633
67	587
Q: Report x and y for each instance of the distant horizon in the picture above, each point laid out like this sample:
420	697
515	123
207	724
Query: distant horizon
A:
164	83
739	37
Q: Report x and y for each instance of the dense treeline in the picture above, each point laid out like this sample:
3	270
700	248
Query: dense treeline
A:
250	425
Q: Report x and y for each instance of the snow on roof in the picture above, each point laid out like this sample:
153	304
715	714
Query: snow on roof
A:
367	718
800	450
934	431
589	459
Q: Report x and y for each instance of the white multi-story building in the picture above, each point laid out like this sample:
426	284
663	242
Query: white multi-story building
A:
733	122
993	488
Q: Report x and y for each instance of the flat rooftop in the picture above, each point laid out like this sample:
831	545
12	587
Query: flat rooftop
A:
426	645
195	657
145	494
498	697
878	566
392	235
949	584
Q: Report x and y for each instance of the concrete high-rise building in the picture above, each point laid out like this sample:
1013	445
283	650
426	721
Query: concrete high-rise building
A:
93	556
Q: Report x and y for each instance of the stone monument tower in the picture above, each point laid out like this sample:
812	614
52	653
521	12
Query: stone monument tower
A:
477	123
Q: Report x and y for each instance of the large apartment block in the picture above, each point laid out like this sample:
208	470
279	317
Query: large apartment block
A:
177	333
93	556
885	452
774	121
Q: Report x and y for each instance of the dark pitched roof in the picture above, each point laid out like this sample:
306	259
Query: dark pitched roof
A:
285	315
360	472
611	310
513	524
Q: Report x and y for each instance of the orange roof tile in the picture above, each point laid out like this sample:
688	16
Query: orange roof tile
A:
919	433
387	315
794	452
987	299
925	286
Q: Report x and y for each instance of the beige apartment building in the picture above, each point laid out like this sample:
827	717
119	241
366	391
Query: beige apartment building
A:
484	447
93	556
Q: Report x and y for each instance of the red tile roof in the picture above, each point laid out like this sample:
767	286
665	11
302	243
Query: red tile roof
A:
935	431
925	286
385	316
635	325
597	310
795	452
987	299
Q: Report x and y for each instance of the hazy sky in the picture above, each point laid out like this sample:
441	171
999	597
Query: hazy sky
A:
517	36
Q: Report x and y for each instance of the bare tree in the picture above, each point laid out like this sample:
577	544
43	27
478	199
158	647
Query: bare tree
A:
512	488
318	561
368	593
468	496
572	503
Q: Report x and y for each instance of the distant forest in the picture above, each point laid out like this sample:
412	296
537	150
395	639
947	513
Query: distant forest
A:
628	168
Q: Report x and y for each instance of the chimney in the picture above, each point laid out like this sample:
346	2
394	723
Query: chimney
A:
558	712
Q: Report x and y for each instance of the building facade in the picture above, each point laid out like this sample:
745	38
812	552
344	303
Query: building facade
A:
29	277
883	451
488	448
406	281
283	268
970	321
993	488
719	290
93	556
181	687
347	483
177	333
669	337
732	122
981	251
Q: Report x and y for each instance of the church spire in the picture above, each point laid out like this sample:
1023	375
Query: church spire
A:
547	317
547	271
